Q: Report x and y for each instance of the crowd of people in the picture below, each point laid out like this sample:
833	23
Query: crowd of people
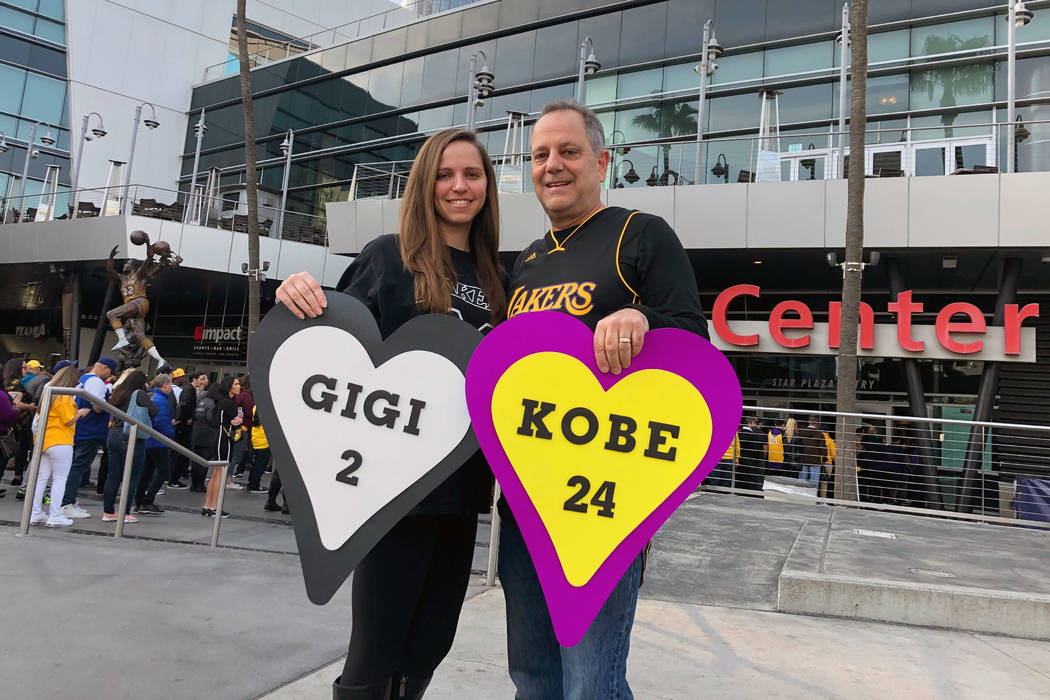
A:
216	421
888	471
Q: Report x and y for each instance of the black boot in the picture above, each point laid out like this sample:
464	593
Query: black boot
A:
408	687
376	691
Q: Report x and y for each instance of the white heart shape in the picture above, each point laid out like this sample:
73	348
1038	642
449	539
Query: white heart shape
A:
391	459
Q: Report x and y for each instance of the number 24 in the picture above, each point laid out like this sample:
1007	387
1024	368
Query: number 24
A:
603	497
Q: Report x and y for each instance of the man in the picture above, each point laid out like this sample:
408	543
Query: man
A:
90	434
197	472
775	450
35	386
814	451
33	370
753	450
158	454
186	404
635	276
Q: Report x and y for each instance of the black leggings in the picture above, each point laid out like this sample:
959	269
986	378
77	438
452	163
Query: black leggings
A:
407	594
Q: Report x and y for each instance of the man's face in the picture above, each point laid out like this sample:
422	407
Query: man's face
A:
202	382
567	174
166	388
103	372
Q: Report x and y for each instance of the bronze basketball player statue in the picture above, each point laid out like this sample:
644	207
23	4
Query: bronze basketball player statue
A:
129	319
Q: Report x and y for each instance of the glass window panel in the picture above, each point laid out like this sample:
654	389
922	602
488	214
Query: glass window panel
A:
740	22
885	161
733	112
388	44
601	89
811	168
641	25
514	102
557	53
680	76
683	18
1036	30
359	53
805	104
44	98
888	11
953	36
52	31
416	37
513	14
438	68
30	5
480	20
738	155
514	57
963	84
637	125
791	19
971	155
807	139
412	81
47	60
12	84
785	170
542	96
883	46
1033	78
605	30
13	19
886	131
55	9
929	161
953	125
385	85
639	83
886	94
444	29
745	66
797	59
333	59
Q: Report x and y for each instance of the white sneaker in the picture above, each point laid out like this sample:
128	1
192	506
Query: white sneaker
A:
38	519
58	521
234	487
75	512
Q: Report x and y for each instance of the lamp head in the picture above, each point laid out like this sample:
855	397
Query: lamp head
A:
714	49
3	144
652	180
1022	15
721	167
151	123
286	145
47	139
35	153
632	175
99	132
1021	133
483	81
591	65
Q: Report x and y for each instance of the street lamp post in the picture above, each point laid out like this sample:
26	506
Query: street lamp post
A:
709	51
48	140
1018	16
480	85
843	39
198	129
99	132
286	149
588	66
150	123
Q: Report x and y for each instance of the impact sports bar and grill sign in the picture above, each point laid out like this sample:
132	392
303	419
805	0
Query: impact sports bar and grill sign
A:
960	330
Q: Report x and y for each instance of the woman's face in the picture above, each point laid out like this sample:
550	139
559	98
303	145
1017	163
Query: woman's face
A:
236	388
460	186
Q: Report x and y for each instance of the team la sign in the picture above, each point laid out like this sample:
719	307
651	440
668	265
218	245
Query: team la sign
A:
960	330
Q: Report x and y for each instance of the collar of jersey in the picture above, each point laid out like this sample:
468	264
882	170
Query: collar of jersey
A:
560	246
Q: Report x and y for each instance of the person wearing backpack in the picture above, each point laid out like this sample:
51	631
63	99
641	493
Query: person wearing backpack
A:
129	395
91	433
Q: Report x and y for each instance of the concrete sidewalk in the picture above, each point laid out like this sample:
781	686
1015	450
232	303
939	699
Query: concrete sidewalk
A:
686	651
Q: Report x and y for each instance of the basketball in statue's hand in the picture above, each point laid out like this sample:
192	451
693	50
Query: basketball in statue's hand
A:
162	248
138	237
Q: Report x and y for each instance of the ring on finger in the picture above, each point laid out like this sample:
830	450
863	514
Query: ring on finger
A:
625	340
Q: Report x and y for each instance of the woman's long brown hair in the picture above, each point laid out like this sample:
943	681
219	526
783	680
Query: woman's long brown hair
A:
424	251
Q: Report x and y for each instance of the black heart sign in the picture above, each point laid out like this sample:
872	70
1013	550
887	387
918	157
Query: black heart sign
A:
361	428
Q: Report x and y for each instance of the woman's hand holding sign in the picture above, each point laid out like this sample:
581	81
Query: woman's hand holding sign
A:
618	339
302	295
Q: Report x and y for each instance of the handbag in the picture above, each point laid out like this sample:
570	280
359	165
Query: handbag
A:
8	445
139	413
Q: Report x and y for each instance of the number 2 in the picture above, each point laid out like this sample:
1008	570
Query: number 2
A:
603	497
343	476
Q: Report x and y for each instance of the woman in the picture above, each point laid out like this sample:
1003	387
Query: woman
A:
56	452
14	370
130	382
242	447
224	421
408	591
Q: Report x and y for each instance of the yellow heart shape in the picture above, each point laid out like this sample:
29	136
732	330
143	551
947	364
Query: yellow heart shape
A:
592	478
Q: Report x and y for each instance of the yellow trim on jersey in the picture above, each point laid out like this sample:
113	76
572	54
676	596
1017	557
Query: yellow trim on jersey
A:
637	298
561	246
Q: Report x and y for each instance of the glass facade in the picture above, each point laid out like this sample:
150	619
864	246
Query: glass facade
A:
33	90
940	72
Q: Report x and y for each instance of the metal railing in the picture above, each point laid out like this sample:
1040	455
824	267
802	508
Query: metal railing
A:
349	31
165	204
898	151
949	468
135	426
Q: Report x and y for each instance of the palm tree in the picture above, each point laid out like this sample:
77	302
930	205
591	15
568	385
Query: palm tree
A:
250	172
846	382
668	119
958	80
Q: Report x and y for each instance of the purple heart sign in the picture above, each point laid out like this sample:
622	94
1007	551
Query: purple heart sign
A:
592	464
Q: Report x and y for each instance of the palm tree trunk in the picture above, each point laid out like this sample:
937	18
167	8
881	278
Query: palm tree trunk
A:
846	384
250	174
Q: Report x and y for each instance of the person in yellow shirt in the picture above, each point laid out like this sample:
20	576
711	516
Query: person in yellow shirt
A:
56	454
722	474
261	454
